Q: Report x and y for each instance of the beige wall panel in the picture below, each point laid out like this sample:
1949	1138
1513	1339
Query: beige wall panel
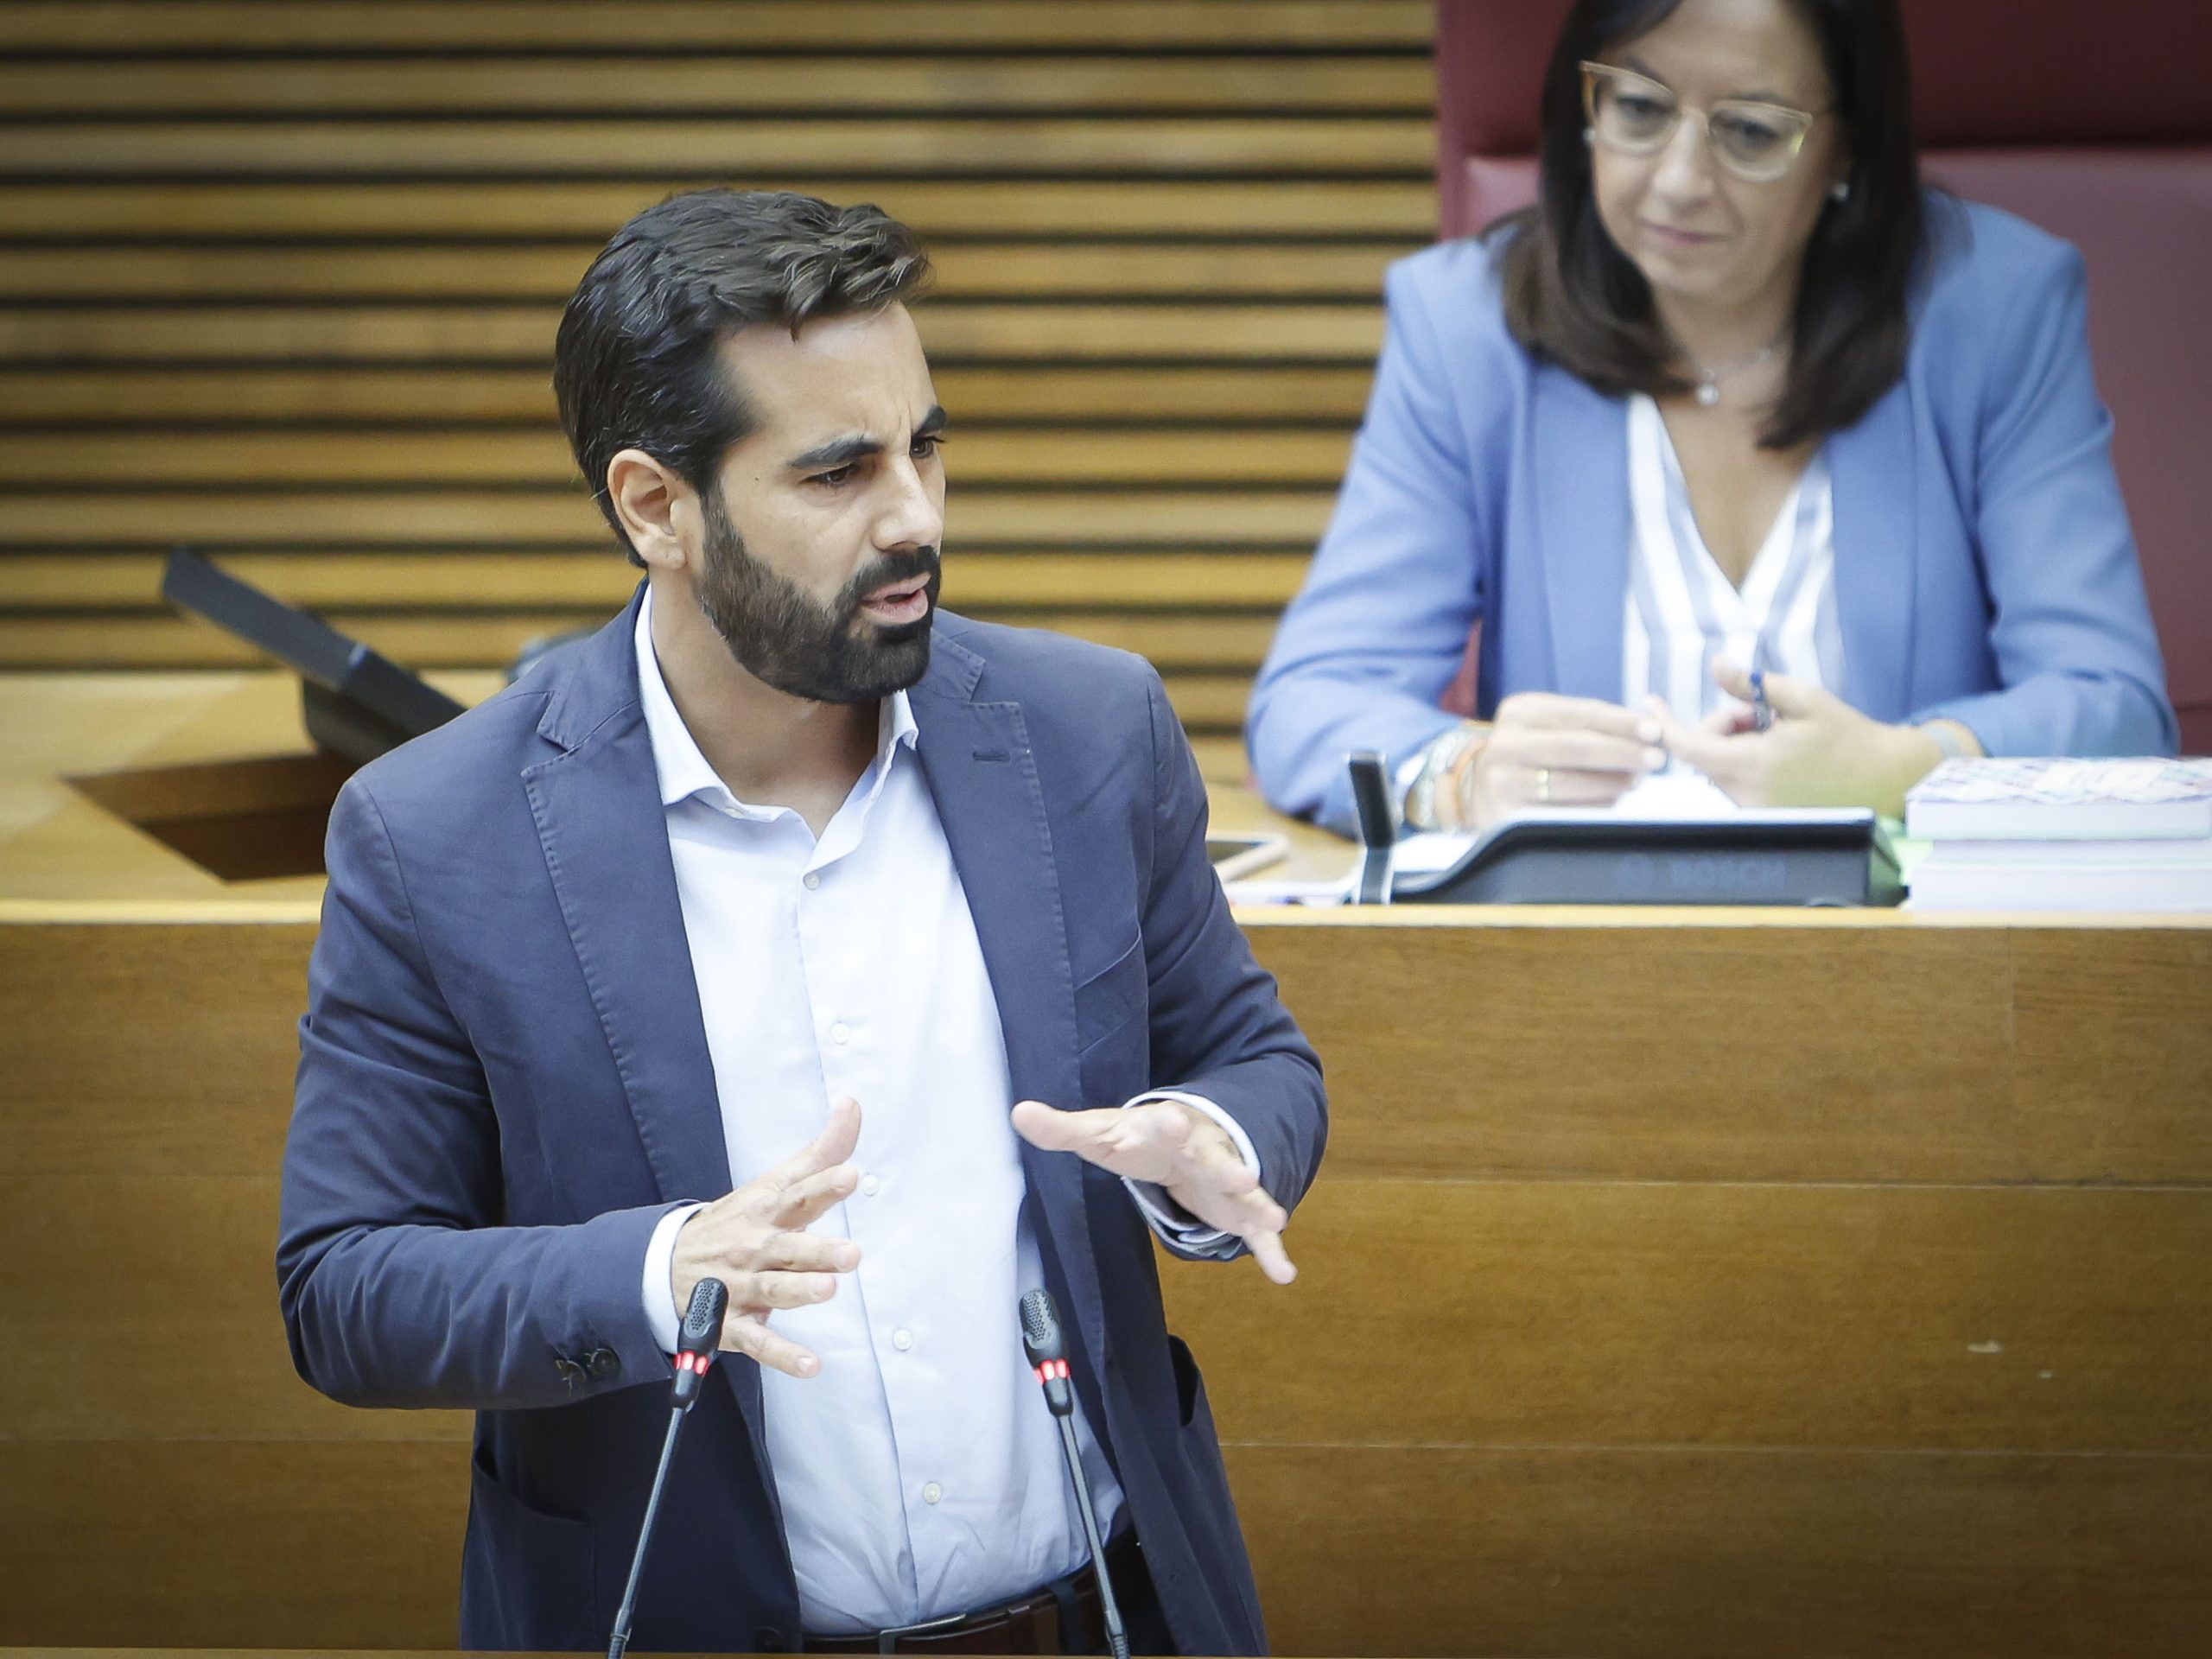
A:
590	209
216	394
696	25
797	150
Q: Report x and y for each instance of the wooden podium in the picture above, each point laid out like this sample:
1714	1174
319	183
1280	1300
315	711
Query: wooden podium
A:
1715	1282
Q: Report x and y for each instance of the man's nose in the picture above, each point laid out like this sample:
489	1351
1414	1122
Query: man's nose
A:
912	516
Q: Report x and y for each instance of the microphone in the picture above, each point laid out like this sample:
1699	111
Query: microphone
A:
1047	1353
699	1340
696	1344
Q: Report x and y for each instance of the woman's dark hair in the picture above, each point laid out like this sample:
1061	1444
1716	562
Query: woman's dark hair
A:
635	365
1572	296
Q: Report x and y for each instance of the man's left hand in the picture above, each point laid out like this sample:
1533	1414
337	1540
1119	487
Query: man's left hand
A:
1176	1148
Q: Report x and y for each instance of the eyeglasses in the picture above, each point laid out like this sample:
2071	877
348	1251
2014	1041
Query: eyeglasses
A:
1758	143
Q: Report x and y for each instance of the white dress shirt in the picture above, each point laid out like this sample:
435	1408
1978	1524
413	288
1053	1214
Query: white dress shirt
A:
1681	611
919	1473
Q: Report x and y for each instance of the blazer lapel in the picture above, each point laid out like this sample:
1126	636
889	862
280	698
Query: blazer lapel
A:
1873	472
1580	450
982	777
600	820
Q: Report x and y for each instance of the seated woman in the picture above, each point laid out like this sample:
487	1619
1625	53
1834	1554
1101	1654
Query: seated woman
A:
1737	398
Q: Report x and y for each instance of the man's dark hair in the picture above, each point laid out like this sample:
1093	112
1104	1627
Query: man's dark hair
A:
635	365
1572	296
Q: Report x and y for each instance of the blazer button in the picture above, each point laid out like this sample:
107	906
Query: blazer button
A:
767	1639
602	1363
570	1372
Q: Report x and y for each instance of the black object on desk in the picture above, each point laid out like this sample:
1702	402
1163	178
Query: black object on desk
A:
357	702
1797	857
1378	828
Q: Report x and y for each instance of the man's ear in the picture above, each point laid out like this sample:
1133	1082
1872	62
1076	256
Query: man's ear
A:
659	512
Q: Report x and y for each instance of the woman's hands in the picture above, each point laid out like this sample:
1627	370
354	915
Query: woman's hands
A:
1818	752
1546	750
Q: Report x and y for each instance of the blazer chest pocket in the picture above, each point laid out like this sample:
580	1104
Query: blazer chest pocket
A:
1109	999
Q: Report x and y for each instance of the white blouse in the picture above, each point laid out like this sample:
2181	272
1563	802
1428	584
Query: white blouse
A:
1681	612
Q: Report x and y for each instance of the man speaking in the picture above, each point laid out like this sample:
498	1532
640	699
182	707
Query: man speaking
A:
791	933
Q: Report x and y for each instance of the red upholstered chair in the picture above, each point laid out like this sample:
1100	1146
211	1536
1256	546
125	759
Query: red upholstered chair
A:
2091	118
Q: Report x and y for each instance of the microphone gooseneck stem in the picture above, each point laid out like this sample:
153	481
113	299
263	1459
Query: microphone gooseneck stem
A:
620	1640
1108	1607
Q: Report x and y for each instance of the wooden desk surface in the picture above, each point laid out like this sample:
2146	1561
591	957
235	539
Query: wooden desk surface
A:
1724	1281
63	856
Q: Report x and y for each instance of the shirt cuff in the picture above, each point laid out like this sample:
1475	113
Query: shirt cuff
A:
1177	1228
661	1312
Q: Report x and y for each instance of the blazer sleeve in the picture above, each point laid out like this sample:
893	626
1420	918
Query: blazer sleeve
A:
1381	627
1218	1028
2069	626
399	1285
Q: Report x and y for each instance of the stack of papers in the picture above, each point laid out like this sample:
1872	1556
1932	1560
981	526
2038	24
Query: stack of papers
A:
2063	834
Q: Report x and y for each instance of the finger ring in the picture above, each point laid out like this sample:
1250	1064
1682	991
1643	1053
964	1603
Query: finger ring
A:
1544	785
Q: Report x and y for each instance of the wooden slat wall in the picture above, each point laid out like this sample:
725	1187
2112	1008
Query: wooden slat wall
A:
280	279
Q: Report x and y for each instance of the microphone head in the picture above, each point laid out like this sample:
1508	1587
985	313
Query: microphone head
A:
1041	1328
703	1320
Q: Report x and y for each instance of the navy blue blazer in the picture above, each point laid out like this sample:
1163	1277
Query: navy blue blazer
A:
503	1084
1984	570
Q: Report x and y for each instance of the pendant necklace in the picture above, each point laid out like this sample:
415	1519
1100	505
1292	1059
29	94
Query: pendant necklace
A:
1708	380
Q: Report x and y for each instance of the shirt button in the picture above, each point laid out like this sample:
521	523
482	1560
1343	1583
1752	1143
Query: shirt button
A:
902	1339
933	1492
838	1033
813	880
870	1186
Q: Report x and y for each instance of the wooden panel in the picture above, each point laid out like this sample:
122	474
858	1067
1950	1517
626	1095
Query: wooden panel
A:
542	517
206	1097
2113	1051
794	150
154	458
1558	1055
525	207
699	84
38	398
1655	1313
1100	271
974	581
1546	1313
702	25
1547	1552
200	1259
333	217
1533	1553
1604	1553
492	333
213	1543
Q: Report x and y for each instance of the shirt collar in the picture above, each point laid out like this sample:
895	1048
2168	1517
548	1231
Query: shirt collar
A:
682	770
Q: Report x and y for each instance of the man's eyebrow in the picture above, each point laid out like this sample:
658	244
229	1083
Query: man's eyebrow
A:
842	452
838	452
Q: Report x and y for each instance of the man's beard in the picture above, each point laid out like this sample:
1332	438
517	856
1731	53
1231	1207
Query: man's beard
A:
783	638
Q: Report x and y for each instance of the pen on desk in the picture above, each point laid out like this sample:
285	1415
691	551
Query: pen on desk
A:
1762	710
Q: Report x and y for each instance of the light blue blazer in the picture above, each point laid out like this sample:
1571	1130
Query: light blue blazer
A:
1984	570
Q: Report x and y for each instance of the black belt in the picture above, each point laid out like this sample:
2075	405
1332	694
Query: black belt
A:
1063	1617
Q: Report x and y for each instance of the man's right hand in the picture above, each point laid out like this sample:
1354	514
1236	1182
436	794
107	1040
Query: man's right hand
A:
755	1241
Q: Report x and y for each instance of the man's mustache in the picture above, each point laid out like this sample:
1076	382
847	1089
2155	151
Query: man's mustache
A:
895	568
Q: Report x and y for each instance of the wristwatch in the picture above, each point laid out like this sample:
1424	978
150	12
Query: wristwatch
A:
1436	799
